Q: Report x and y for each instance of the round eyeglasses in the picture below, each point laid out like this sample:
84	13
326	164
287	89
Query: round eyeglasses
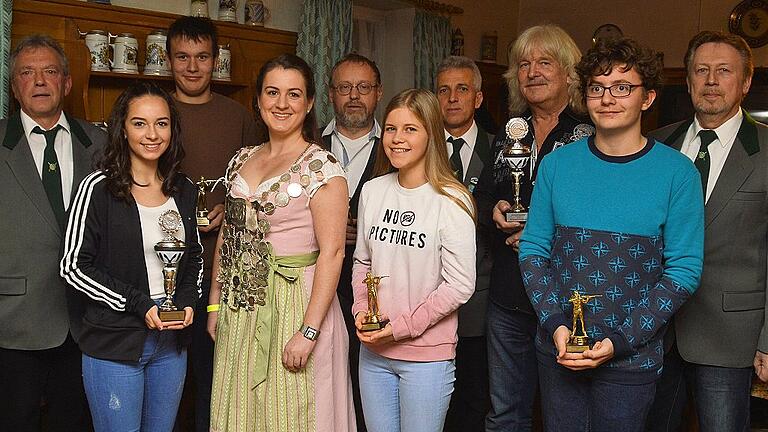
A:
345	88
596	91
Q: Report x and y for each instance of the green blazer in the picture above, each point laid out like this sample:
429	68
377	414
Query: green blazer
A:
33	298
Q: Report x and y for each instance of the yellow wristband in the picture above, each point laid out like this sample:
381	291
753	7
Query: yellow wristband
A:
213	308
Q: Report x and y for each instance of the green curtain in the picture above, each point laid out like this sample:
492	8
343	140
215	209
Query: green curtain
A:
431	44
325	36
5	50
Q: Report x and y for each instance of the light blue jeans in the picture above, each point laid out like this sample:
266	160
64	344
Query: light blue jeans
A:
402	395
137	396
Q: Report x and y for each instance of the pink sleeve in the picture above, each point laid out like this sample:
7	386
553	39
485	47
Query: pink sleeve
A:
457	259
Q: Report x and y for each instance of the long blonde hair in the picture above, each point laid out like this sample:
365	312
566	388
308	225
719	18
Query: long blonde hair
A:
424	105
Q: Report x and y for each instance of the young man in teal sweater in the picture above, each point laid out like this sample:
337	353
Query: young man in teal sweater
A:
621	217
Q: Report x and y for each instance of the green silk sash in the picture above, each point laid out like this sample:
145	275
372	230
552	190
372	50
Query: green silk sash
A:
287	268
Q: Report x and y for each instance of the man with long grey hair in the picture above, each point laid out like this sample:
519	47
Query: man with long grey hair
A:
543	91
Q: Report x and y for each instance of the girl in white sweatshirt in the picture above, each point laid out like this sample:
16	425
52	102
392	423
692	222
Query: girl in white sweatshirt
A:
416	227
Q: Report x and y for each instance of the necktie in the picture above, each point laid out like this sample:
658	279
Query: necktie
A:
706	136
458	169
52	173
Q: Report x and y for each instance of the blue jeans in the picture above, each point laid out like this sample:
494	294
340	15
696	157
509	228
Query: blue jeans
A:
137	396
722	396
577	402
512	369
402	395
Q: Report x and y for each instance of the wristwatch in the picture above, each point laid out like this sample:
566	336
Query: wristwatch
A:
309	332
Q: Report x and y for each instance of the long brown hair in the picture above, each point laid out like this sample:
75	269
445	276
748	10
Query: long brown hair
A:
116	161
424	105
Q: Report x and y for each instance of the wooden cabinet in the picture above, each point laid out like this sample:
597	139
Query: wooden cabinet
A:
93	93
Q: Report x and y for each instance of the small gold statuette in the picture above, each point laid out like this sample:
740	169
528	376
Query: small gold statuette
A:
204	186
170	250
372	320
517	155
579	342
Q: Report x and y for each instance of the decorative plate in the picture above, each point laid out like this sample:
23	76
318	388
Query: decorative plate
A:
749	19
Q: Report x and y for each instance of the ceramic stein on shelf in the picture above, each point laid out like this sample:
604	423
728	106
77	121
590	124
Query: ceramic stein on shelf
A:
157	61
125	54
97	42
199	8
228	10
255	12
222	70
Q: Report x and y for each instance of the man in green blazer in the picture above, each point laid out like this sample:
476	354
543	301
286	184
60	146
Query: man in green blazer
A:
719	337
43	156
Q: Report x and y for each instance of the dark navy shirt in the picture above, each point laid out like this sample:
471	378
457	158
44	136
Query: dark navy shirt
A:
495	183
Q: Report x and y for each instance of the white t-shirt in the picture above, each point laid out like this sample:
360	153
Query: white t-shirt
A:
151	234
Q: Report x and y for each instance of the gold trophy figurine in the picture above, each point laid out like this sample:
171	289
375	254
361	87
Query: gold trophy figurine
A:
578	343
372	320
203	186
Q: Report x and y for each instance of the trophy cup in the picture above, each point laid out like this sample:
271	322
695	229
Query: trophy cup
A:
201	212
372	320
169	250
517	155
578	343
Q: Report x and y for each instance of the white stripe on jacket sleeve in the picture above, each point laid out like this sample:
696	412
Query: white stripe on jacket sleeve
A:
73	242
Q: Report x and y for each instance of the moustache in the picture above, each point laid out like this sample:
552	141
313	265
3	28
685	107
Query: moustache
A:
535	83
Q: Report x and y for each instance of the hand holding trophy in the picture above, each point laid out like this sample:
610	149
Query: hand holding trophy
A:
579	342
517	155
170	250
204	186
373	320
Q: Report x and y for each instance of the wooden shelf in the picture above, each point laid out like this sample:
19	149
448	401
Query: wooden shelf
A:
94	93
143	77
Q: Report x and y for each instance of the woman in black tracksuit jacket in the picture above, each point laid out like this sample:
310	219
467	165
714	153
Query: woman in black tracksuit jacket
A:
134	364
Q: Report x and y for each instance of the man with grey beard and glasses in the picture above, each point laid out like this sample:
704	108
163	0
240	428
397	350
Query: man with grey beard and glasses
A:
353	136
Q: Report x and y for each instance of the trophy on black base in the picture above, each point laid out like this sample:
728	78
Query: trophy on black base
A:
204	186
517	155
579	342
170	250
373	320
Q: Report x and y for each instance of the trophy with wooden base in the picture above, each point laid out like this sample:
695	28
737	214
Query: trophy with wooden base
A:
373	320
170	250
517	155
579	342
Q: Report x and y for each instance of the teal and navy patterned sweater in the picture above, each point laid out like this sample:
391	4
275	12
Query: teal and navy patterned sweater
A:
630	229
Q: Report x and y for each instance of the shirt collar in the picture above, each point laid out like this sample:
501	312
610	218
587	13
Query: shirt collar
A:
375	132
28	124
726	132
469	137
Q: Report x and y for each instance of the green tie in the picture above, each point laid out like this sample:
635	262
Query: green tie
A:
706	136
52	173
458	169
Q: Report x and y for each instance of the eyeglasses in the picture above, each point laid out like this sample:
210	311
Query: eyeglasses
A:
363	88
596	91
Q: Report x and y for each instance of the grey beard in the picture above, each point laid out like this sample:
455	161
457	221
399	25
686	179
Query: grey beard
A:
353	121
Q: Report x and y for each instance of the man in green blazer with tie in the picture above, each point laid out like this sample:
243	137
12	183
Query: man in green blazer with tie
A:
719	337
43	156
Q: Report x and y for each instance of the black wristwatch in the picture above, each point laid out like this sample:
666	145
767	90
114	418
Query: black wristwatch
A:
309	332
